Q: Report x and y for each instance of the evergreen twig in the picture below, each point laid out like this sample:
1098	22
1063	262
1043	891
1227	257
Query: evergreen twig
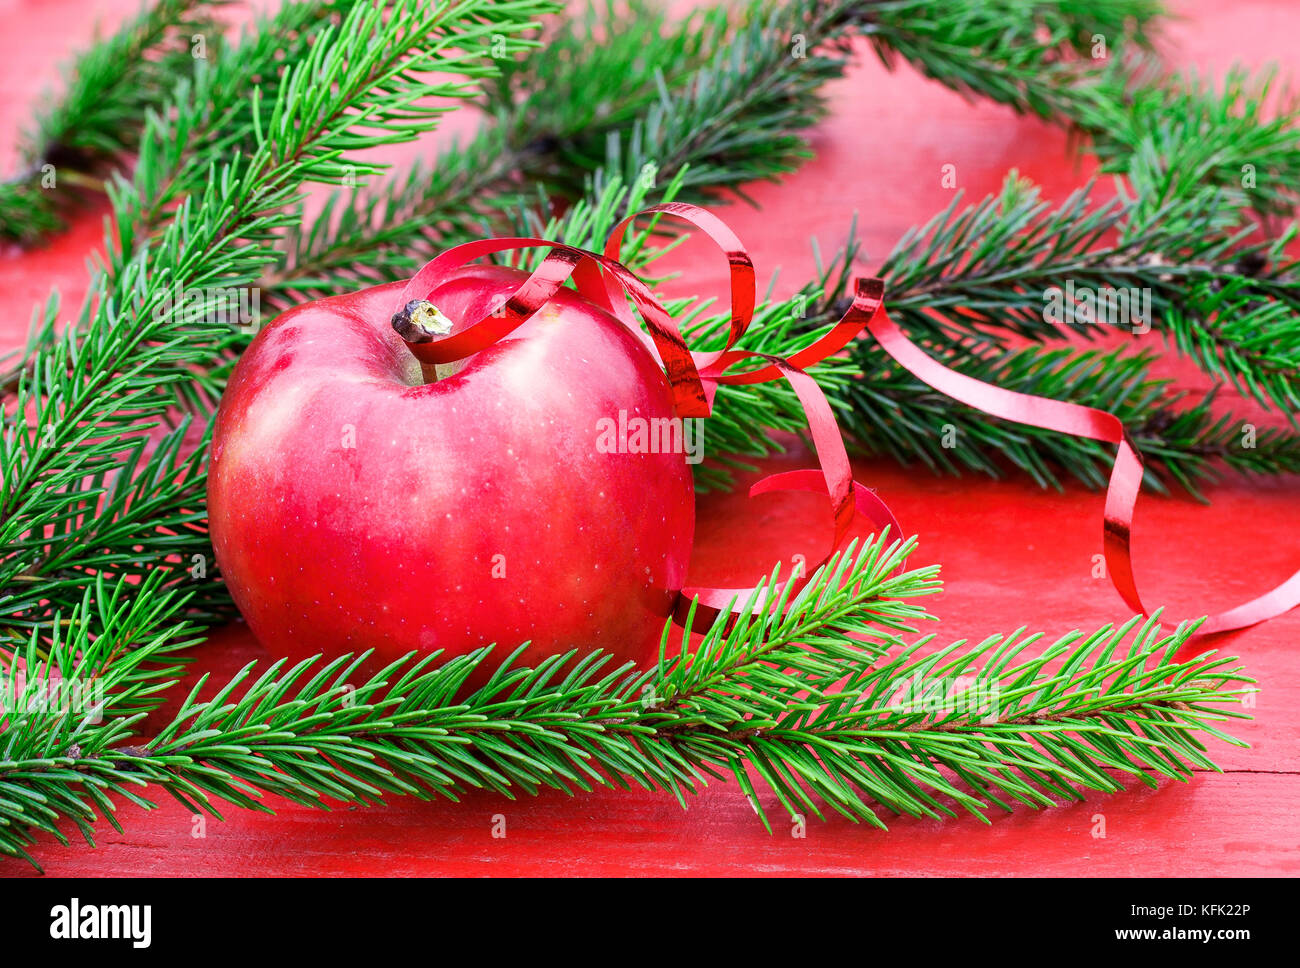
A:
1239	137
796	694
680	111
984	272
722	104
80	420
1054	59
885	410
109	89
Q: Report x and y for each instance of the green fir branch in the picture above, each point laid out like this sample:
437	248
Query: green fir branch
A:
801	694
890	412
1036	56
100	389
984	272
712	103
720	105
74	692
1239	136
208	119
77	138
884	410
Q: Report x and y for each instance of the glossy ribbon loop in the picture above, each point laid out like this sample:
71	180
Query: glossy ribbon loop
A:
1078	421
694	378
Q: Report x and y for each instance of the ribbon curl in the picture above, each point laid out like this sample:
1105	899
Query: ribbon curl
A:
694	377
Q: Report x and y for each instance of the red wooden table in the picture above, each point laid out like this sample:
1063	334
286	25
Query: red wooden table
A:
1011	554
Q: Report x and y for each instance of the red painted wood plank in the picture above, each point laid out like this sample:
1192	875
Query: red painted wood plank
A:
1233	825
1011	555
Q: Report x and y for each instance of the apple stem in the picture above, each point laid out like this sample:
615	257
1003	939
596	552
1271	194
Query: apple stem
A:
420	321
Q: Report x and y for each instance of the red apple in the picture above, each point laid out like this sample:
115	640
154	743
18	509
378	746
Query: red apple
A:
354	506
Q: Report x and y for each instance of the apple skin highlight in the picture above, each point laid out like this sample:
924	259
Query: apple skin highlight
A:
355	507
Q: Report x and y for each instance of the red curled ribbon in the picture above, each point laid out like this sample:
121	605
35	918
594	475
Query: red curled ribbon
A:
694	378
